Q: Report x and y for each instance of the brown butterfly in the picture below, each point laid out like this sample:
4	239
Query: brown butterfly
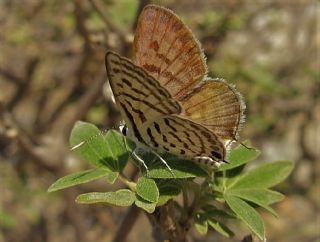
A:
165	98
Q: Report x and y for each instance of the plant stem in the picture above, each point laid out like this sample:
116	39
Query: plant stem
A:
167	226
185	198
130	184
127	224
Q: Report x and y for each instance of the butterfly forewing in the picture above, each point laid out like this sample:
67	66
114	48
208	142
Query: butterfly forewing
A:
138	95
217	106
167	50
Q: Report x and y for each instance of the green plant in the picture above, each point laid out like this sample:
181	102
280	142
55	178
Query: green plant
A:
228	193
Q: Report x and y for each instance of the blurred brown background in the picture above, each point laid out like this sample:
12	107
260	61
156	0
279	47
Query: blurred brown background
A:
52	74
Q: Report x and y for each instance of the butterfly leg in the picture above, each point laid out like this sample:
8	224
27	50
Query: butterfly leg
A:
136	157
134	154
164	162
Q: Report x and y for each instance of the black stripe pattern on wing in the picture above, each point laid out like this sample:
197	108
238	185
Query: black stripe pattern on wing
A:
126	68
121	66
140	98
132	124
183	137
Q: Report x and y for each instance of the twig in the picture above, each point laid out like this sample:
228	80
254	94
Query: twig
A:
36	151
76	218
166	225
127	224
113	28
142	4
80	24
26	142
85	102
23	86
11	76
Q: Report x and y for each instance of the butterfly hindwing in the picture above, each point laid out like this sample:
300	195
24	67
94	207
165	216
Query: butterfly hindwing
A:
185	138
217	106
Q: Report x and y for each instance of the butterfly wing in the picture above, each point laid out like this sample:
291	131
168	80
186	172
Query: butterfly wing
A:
153	116
217	106
167	50
181	136
139	97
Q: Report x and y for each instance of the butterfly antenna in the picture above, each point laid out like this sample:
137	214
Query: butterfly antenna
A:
78	145
248	147
225	161
102	132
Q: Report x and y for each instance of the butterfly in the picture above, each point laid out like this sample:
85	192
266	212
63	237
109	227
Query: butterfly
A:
165	97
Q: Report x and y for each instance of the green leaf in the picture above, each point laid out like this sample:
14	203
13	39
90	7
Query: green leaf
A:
147	189
247	214
200	223
239	156
202	220
221	228
118	147
145	205
264	176
167	191
179	169
266	195
112	177
261	197
213	212
110	150
79	178
122	197
88	142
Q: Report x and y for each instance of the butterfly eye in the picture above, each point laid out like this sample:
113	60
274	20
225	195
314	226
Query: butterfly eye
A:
123	128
